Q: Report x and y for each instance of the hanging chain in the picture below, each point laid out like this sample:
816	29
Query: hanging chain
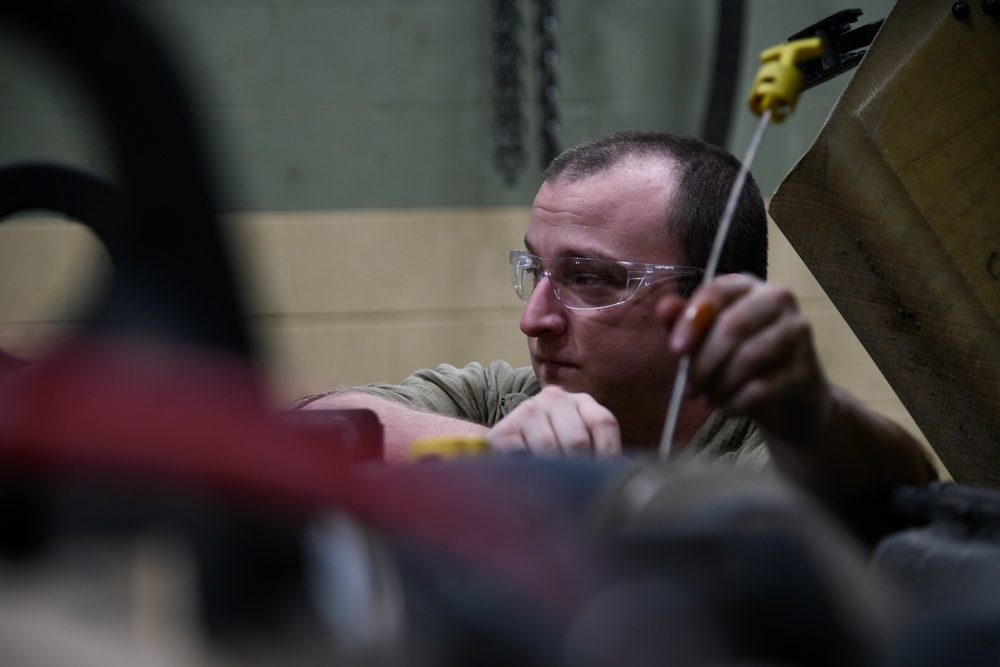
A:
548	90
507	89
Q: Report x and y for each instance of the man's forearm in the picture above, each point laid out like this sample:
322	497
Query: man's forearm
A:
402	424
855	462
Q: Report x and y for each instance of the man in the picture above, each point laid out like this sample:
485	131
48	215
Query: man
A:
617	235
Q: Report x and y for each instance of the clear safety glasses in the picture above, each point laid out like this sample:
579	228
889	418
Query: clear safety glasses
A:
584	283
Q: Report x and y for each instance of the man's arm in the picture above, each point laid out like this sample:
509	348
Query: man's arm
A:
555	422
402	424
853	462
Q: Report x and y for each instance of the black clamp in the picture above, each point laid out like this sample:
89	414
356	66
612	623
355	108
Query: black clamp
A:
844	47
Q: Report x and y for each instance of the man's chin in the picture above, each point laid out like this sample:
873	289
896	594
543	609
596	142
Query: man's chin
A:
565	378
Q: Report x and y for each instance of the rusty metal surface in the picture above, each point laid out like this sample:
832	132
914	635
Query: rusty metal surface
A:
896	211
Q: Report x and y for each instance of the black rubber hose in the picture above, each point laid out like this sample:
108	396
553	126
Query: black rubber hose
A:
180	284
728	47
85	197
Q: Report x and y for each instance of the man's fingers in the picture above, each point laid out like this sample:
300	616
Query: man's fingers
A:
605	435
558	423
704	309
740	351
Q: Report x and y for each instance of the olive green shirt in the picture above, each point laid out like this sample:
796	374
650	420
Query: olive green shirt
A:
485	395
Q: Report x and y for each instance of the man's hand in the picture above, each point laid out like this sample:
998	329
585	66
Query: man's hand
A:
752	355
558	423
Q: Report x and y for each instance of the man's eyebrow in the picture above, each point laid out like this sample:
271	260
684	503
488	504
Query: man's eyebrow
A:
569	252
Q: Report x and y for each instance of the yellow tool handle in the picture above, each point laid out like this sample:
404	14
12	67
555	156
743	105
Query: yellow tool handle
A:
779	81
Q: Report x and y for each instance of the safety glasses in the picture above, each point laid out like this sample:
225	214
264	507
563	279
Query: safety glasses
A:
586	283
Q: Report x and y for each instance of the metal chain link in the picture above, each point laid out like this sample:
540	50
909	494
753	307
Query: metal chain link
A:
548	90
507	89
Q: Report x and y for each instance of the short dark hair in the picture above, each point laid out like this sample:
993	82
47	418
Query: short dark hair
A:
706	176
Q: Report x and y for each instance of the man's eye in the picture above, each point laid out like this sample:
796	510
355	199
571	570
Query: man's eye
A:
590	279
593	280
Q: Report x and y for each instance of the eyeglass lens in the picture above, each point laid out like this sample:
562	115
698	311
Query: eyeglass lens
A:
577	282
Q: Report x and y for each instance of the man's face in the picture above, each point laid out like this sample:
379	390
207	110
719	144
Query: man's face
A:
618	354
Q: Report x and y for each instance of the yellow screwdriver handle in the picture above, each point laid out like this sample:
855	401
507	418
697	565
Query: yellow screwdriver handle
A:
779	81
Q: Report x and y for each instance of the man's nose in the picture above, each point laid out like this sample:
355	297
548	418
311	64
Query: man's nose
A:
543	314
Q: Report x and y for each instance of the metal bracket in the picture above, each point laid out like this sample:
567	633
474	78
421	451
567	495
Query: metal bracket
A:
844	47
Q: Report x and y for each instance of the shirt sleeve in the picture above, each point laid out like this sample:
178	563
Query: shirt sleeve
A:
483	395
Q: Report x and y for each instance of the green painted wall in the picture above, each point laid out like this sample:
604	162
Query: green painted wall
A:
334	104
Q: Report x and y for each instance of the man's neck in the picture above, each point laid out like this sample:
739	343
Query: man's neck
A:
647	435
